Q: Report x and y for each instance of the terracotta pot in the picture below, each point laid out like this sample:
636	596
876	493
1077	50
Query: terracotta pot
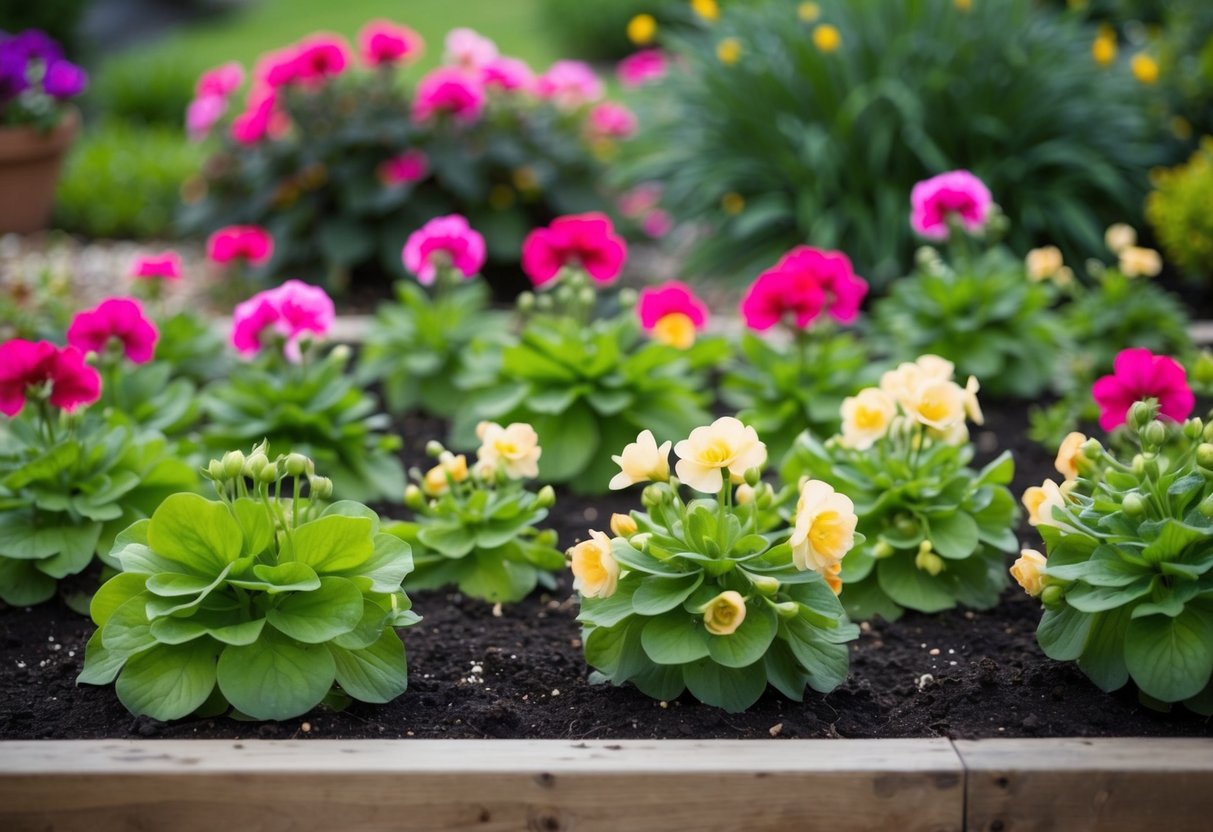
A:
29	171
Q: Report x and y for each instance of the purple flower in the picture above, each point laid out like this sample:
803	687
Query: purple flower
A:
63	79
34	44
13	80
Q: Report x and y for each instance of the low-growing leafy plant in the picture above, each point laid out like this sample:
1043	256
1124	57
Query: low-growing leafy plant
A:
935	528
475	527
264	601
706	593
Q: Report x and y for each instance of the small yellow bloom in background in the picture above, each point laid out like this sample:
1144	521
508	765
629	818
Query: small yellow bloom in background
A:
434	483
724	613
963	5
808	12
866	417
456	467
733	203
1140	262
827	38
825	527
1067	455
595	570
642	29
937	404
1040	500
1028	571
1145	68
729	51
622	525
707	9
642	461
1043	263
675	329
1103	48
501	197
726	444
1119	237
927	561
935	367
515	448
450	468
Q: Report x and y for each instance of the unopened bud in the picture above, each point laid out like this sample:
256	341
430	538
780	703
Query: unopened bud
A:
764	583
1193	429
254	464
295	465
655	494
269	473
622	525
1204	455
744	495
585	296
1154	434
929	562
1133	504
215	470
1141	414
434	448
545	498
882	549
627	298
1206	506
321	487
526	301
1052	595
640	541
413	498
787	610
233	464
753	476
1091	449
341	353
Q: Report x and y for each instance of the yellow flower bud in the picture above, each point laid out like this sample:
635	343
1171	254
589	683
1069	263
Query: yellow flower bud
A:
724	613
1068	454
1119	237
595	570
929	562
827	38
707	9
1145	68
1028	571
642	29
729	51
622	525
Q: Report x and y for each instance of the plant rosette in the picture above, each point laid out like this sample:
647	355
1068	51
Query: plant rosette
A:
935	529
701	594
1127	584
258	602
474	527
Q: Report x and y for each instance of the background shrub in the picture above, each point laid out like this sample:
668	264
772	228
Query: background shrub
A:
598	30
145	87
1179	211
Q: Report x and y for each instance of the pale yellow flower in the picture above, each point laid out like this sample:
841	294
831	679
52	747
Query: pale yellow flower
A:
827	38
808	12
866	417
744	495
1068	453
1145	68
972	406
1040	500
675	329
622	525
937	404
450	468
434	483
642	461
707	9
1119	237
595	570
903	382
515	448
724	613
729	51
1028	571
825	527
642	29
1140	262
935	367
1103	48
1043	263
726	444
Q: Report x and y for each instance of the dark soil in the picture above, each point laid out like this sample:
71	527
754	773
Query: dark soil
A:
519	672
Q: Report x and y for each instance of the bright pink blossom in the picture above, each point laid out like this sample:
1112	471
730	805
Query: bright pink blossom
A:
800	286
410	166
294	311
610	120
449	90
957	193
250	243
641	67
446	239
118	318
1139	374
202	113
166	265
587	241
277	68
507	74
469	49
261	119
671	298
221	81
569	84
383	42
320	57
26	364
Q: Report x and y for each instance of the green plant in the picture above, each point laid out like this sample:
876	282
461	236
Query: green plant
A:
141	88
598	31
476	529
58	18
936	529
1178	211
264	601
703	594
800	133
1125	586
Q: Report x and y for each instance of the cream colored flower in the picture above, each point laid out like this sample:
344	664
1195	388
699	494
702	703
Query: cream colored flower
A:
902	382
972	406
744	495
957	434
937	404
1043	263
642	461
866	417
724	613
622	525
935	367
1028	571
825	527
1068	453
434	483
1140	262
1040	500
515	448
595	570
726	444
1119	237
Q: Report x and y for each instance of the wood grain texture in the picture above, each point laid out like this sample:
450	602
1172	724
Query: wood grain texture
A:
1078	785
545	786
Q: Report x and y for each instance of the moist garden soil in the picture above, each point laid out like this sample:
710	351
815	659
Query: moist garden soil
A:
517	672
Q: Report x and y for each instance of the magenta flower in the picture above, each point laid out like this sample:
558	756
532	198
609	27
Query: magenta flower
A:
610	120
800	286
261	118
320	57
410	166
641	68
166	266
382	42
587	241
1139	374
469	49
450	90
202	113
445	240
832	270
507	74
277	68
25	364
221	81
249	243
117	318
671	298
294	311
957	194
569	84
63	79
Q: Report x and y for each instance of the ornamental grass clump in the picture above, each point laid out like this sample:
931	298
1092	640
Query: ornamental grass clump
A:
475	525
713	591
266	601
935	528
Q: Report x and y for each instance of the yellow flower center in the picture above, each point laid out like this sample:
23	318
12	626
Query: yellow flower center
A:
592	570
869	418
828	532
717	454
676	329
933	408
505	447
723	613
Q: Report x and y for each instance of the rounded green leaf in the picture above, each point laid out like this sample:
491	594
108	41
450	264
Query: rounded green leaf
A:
953	535
168	681
676	637
1171	658
320	615
334	543
377	673
657	594
912	587
197	533
733	689
283	577
276	677
114	593
128	630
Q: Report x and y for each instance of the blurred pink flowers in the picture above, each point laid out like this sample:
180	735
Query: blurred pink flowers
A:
295	311
25	364
118	318
410	166
641	68
450	90
569	84
382	42
1139	374
671	298
249	243
469	49
221	81
610	120
444	240
166	265
957	193
800	286
212	91
585	240
507	74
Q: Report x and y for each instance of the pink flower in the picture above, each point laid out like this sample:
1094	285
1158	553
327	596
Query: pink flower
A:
611	121
410	166
449	90
640	200
672	298
585	240
641	67
507	74
956	193
166	265
278	68
775	295
569	84
469	49
25	364
249	243
294	311
448	239
657	223
221	81
804	282
202	114
260	120
120	318
320	57
832	270
1139	374
383	42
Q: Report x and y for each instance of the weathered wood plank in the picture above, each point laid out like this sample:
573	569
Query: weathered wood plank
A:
1077	785
548	786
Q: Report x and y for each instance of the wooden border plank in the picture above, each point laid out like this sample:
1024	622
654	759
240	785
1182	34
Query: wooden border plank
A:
546	786
1075	785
